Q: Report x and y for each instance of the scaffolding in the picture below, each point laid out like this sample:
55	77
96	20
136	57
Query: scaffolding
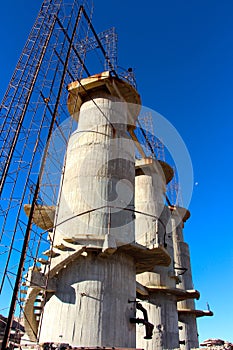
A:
35	127
154	148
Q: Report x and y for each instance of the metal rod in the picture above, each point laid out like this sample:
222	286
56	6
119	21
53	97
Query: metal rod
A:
75	51
58	56
99	42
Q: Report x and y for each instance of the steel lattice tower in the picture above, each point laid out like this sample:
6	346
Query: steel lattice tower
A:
33	110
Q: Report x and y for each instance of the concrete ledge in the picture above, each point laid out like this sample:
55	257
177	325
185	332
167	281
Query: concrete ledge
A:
146	259
183	213
155	165
43	215
181	294
197	313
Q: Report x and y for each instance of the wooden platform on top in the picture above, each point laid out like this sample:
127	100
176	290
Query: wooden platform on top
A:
80	91
151	164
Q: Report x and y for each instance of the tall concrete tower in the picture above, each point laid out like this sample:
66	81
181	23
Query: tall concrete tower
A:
152	177
186	308
94	256
167	291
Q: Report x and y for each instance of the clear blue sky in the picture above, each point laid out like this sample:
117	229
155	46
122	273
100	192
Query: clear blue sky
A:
182	52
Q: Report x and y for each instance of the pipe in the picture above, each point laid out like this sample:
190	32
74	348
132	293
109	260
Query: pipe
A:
149	326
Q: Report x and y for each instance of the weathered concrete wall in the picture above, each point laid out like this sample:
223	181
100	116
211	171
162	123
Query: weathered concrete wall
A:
149	190
162	312
90	306
188	331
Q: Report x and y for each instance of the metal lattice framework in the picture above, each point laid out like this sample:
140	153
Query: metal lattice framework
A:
155	148
35	127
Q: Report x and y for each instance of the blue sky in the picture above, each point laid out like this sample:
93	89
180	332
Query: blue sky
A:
182	52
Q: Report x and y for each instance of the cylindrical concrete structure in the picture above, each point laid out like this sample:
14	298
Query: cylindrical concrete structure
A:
90	305
99	176
150	185
187	321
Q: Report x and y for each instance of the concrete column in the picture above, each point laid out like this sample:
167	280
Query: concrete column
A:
187	321
90	306
162	312
150	186
99	175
